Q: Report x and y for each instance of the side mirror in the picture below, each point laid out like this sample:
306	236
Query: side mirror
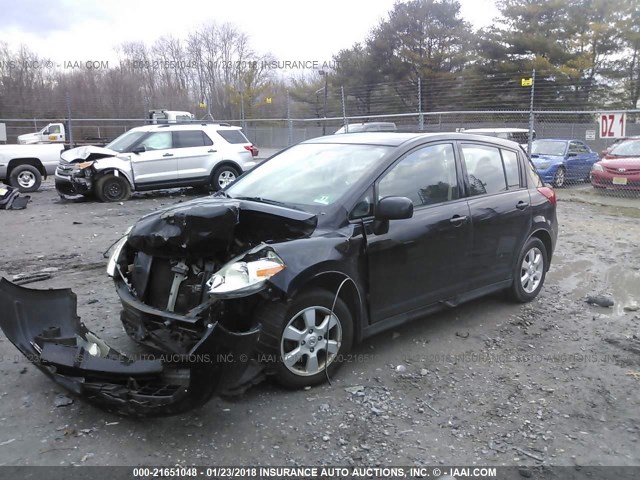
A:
391	208
394	208
139	149
572	154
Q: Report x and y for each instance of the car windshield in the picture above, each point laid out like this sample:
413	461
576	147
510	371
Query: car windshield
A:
125	141
548	147
308	175
628	148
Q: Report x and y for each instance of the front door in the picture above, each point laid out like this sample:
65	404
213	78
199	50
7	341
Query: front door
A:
418	261
157	164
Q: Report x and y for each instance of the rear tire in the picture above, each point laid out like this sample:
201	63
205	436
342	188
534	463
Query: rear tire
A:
112	189
529	272
293	343
26	178
223	176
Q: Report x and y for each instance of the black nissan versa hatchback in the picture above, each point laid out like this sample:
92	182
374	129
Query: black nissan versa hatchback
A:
326	243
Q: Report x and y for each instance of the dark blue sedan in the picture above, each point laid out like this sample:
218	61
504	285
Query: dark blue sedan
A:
563	161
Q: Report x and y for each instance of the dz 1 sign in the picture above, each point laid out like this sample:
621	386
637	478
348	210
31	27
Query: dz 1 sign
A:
612	125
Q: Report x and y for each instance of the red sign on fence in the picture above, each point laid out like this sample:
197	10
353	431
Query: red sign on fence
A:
612	125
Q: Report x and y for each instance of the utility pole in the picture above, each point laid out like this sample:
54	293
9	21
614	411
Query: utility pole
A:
325	74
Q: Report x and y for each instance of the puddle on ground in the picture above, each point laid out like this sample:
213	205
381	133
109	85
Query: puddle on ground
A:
624	286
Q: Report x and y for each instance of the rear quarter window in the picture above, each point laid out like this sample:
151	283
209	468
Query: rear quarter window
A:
233	136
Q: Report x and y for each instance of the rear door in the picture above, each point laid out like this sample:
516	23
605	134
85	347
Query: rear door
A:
236	142
419	260
156	165
196	154
500	211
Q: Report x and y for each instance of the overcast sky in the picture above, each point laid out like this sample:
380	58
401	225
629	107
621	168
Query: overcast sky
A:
74	30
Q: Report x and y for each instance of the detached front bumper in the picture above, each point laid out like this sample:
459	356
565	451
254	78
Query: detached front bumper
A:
44	326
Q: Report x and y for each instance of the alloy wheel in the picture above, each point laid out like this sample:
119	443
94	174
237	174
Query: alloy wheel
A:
310	341
531	270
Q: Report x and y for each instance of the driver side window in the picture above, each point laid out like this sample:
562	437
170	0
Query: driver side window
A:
158	141
426	176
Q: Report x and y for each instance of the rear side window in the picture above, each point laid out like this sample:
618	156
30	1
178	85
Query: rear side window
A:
233	136
511	168
191	138
533	176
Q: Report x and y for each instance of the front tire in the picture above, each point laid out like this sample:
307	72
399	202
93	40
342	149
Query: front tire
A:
26	178
223	176
559	178
301	341
530	271
112	189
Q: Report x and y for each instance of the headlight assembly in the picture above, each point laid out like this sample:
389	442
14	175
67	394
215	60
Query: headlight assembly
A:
116	250
83	165
246	274
597	168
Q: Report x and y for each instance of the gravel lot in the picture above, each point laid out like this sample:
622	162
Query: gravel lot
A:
489	383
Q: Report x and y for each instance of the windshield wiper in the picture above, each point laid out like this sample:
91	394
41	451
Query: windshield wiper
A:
268	201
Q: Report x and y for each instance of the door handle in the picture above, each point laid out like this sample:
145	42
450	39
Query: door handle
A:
458	220
522	205
212	151
168	155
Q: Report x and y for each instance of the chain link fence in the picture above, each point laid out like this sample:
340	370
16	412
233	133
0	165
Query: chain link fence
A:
421	106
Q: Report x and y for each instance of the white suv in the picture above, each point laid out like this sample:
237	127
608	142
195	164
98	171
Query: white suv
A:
155	157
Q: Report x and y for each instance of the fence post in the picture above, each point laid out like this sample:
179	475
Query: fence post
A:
344	111
533	87
289	121
421	116
69	125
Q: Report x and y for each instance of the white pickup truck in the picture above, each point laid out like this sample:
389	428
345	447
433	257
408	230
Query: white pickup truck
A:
24	166
52	133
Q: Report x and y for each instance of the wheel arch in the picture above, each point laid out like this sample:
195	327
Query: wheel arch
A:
226	163
111	170
34	162
545	238
350	294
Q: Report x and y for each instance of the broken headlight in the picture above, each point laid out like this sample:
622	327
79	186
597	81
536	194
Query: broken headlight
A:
83	165
246	274
116	249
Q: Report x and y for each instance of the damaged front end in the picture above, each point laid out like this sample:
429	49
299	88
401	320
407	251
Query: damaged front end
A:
199	263
190	278
79	167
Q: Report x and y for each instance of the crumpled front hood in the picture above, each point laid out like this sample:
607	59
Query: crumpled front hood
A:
208	226
88	152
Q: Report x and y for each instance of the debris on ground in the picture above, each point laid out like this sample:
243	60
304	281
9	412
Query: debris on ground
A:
600	300
62	400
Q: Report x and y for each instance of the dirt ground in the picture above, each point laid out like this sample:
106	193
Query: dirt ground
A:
553	382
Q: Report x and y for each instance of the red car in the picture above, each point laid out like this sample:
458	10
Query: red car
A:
620	168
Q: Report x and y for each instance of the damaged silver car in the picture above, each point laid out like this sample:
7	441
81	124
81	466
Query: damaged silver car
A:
155	157
328	242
